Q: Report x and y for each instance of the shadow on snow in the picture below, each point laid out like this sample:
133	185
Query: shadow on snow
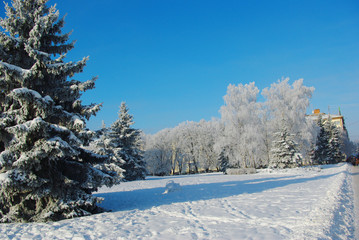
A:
147	198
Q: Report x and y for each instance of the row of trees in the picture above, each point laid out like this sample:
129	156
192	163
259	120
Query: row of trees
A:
250	134
47	171
188	147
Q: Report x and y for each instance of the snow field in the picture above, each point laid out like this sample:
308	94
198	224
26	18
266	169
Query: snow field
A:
303	203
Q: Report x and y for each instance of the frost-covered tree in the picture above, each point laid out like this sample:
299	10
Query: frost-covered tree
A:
178	157
208	134
250	126
45	174
158	153
289	103
189	144
124	142
243	128
284	153
188	147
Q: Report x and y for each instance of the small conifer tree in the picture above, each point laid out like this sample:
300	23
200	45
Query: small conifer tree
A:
284	153
124	142
223	161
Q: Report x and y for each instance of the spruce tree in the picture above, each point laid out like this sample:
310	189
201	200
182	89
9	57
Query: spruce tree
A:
329	144
124	142
45	173
223	161
321	150
284	153
335	145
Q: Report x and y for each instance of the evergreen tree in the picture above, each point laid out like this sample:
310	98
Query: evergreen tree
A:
45	173
329	145
284	153
321	150
335	144
223	161
124	142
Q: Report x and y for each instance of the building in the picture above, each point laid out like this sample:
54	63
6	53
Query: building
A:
337	120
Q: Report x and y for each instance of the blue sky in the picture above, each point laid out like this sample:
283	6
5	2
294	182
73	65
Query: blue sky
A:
172	60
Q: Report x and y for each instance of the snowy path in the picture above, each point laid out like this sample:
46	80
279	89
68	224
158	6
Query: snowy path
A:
355	174
289	204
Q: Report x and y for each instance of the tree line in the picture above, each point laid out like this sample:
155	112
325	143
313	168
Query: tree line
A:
274	132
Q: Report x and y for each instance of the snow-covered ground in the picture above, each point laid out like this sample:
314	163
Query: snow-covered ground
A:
304	203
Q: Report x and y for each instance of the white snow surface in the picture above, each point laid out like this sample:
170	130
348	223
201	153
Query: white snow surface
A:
301	203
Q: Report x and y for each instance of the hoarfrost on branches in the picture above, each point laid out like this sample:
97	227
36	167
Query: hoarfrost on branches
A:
243	128
246	136
287	104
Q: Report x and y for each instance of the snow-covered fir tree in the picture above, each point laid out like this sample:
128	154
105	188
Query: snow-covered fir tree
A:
329	144
335	144
284	153
124	142
45	173
321	148
223	161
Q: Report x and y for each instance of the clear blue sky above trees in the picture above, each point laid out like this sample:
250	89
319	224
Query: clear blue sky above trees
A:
172	60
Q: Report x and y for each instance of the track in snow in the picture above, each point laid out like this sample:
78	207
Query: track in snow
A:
289	204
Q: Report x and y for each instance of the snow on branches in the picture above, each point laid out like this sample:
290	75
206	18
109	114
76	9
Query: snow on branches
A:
45	173
248	135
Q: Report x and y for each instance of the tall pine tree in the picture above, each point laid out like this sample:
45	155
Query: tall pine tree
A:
124	143
45	174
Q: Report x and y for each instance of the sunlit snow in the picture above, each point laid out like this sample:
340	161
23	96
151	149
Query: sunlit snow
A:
301	203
